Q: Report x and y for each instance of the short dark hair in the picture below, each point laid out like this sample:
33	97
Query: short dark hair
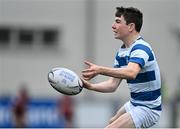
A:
131	15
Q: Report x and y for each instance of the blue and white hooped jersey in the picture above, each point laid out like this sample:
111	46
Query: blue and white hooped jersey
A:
145	89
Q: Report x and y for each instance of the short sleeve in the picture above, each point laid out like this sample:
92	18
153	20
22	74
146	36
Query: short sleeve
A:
141	54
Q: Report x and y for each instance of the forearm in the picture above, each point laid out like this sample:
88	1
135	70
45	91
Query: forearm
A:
123	73
115	72
102	87
106	86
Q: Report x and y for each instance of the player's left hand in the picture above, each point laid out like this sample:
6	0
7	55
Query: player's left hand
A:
91	71
86	84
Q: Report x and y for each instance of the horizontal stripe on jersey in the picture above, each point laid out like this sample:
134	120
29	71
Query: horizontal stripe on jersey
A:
150	104
143	87
145	48
143	77
147	95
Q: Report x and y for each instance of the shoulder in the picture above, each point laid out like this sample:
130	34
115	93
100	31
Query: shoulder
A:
141	45
141	42
142	49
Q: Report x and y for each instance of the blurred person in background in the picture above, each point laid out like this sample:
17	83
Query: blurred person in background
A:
19	108
135	61
66	105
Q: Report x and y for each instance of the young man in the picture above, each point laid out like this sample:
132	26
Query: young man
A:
135	61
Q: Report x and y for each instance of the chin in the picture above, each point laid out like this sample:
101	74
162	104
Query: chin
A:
117	37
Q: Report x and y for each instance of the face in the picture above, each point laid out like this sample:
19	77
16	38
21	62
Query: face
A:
119	27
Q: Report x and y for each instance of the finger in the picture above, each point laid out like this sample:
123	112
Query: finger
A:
84	81
88	74
88	63
87	78
81	77
87	70
85	75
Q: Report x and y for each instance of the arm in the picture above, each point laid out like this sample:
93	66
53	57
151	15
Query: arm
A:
129	72
107	86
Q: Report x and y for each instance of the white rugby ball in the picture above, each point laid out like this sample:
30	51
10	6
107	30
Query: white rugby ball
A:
65	81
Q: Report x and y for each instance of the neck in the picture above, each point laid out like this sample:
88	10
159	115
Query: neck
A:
128	41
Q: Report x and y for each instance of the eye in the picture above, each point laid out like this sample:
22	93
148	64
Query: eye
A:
118	21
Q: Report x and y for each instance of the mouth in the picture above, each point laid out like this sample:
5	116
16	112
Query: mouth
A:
115	32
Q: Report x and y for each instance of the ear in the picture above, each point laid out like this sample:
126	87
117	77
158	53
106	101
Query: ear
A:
131	26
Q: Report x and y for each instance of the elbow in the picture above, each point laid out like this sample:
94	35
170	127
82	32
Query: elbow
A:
111	89
132	71
132	75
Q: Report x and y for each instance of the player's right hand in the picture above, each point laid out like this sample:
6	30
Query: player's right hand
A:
91	71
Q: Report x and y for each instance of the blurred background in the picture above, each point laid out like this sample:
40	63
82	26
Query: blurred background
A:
38	35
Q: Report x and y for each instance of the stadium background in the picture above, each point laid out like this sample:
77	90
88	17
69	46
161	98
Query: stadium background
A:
37	35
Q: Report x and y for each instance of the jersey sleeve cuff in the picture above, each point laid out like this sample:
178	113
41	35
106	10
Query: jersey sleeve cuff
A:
137	60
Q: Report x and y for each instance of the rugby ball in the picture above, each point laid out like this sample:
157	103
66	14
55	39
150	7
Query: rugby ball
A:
65	81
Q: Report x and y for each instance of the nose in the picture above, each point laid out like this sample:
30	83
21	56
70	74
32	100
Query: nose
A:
113	26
